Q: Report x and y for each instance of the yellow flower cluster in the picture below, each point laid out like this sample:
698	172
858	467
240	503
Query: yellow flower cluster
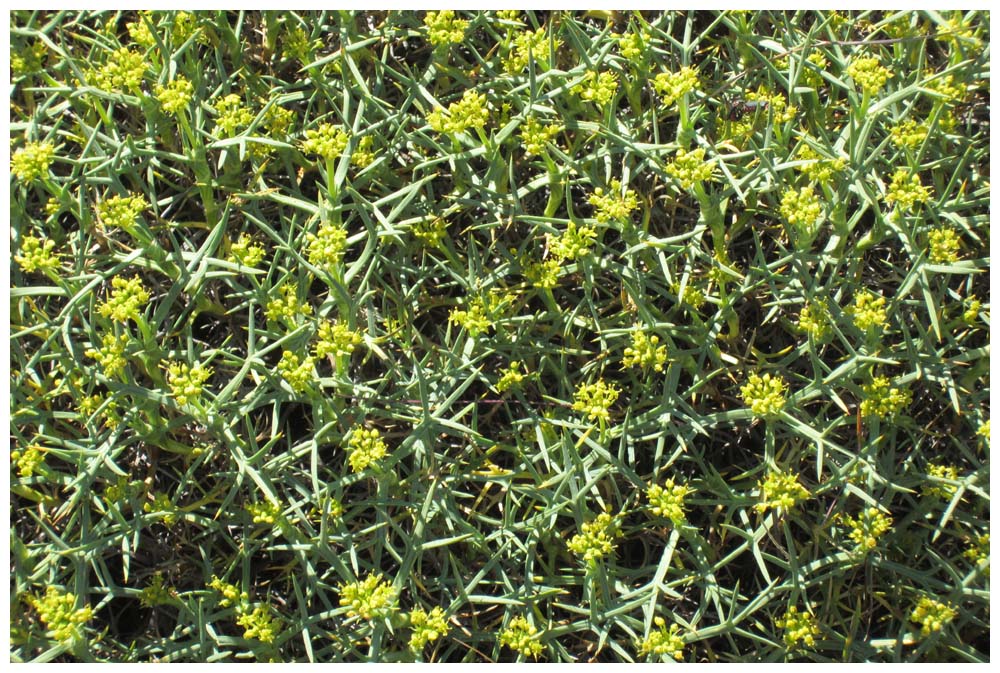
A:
245	252
444	27
366	448
469	112
663	642
944	243
868	527
529	46
287	305
596	539
869	73
780	490
372	598
689	168
906	190
882	399
111	354
535	136
868	311
297	372
326	140
126	299
37	254
668	500
765	395
672	85
613	206
511	377
426	627
597	87
595	400
645	352
123	71
175	96
815	320
57	610
259	624
336	339
326	247
801	628
932	615
32	161
573	243
521	636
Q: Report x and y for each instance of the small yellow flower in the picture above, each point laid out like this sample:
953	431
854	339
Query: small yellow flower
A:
336	339
932	615
869	311
37	254
645	351
521	636
31	162
596	539
663	642
175	96
259	624
127	297
427	627
868	527
668	500
372	598
765	395
575	242
57	610
613	206
511	377
366	448
944	245
597	87
690	168
444	28
326	140
780	490
297	372
882	399
326	247
869	73
801	628
595	400
906	190
672	85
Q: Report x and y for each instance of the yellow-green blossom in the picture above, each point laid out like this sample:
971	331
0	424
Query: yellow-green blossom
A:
946	86
37	254
29	460
426	627
57	610
264	512
124	71
971	309
430	232
469	112
365	448
663	642
521	636
372	598
231	594
31	162
535	137
121	211
613	206
595	400
906	190
259	624
529	45
672	85
444	27
803	211
765	395
164	507
932	615
908	133
476	318
111	354
979	551
336	339
326	247
154	593
575	242
944	243
175	96
865	530
645	352
544	274
868	311
780	490
868	73
234	116
984	431
690	168
295	44
126	299
186	383
245	252
326	140
510	377
941	490
363	154
29	59
801	628
819	168
596	539
287	306
812	77
597	87
882	399
668	500
815	320
298	373
630	46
